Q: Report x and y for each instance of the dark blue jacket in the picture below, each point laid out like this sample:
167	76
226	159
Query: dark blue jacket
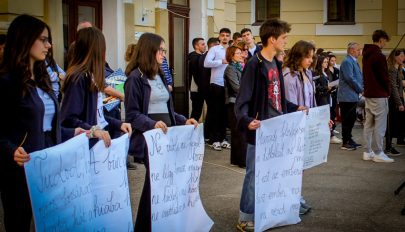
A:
24	115
253	99
137	96
79	106
258	49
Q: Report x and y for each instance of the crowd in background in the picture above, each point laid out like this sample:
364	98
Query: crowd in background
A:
241	82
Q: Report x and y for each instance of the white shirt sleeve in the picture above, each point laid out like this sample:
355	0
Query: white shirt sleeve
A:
211	61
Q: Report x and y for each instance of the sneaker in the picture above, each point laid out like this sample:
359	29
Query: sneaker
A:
348	147
245	226
225	144
368	155
382	158
305	205
336	132
392	152
335	140
356	145
216	146
304	209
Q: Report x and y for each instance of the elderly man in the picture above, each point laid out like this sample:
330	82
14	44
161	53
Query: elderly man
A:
350	86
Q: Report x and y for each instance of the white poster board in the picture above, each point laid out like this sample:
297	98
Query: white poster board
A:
278	172
175	161
317	136
74	189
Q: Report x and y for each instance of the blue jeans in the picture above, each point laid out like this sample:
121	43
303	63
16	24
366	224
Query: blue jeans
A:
247	199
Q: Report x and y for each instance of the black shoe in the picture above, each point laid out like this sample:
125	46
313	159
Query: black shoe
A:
131	166
348	147
356	145
392	152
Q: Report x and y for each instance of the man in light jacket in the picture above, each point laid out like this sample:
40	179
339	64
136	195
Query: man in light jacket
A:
350	86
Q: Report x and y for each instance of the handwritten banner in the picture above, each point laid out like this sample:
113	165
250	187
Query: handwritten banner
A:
73	188
278	172
317	136
175	161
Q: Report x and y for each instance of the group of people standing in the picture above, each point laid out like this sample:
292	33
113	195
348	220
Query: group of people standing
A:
242	84
36	119
249	83
214	77
381	83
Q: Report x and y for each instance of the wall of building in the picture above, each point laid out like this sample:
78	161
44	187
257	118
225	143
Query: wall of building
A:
53	15
307	18
401	17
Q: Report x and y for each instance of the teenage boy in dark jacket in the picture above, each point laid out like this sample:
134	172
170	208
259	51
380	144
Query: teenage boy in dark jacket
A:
376	92
260	92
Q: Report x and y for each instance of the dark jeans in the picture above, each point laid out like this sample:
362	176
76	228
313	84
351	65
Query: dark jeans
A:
216	113
197	103
348	117
247	198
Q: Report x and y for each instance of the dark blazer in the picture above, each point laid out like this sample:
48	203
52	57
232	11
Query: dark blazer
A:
253	96
137	96
79	106
24	115
322	94
193	72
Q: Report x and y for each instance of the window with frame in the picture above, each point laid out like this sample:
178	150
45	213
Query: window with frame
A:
341	12
267	9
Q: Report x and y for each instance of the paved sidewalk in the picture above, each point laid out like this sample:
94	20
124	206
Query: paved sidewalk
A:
346	193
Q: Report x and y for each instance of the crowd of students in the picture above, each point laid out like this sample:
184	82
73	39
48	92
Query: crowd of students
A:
241	82
250	82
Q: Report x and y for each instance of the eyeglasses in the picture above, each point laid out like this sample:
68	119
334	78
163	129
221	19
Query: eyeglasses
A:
44	40
162	51
238	53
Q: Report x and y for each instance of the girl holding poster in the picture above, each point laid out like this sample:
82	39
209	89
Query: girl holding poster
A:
148	105
31	121
82	103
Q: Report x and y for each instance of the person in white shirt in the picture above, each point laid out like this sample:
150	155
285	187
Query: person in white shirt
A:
216	114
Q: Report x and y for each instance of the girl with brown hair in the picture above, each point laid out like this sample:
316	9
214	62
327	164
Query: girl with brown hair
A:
82	103
148	105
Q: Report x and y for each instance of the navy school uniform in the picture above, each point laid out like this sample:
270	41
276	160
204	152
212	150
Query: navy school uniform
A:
79	106
22	116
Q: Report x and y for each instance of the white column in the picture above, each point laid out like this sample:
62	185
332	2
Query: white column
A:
54	18
114	33
198	21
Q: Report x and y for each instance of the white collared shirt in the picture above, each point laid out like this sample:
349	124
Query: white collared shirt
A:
213	60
